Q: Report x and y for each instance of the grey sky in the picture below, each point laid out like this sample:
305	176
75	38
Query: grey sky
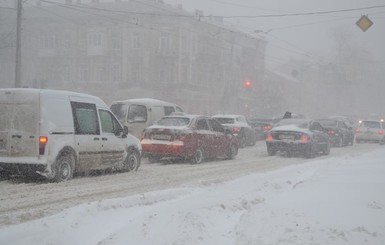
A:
300	36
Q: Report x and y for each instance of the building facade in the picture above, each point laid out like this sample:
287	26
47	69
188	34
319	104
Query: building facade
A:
130	49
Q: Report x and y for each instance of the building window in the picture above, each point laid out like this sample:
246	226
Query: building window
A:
165	41
136	41
116	73
100	73
84	73
94	39
48	41
116	43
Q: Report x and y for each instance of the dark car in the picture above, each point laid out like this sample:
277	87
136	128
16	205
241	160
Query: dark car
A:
191	137
297	136
240	127
262	126
339	132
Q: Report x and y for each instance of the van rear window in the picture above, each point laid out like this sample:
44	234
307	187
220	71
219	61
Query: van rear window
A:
137	113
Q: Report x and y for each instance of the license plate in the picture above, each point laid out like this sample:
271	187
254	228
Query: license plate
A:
286	137
161	137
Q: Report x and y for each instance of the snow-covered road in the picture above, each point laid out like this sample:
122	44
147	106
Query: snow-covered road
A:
21	202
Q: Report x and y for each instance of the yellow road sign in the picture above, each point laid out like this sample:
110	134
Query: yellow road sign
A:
364	23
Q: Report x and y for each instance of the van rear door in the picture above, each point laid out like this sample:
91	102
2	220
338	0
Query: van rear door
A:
19	123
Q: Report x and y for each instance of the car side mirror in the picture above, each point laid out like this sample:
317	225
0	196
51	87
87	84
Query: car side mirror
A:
125	132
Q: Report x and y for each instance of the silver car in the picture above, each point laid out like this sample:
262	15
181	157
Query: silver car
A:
370	130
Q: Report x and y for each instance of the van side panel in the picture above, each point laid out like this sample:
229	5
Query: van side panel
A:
56	115
19	129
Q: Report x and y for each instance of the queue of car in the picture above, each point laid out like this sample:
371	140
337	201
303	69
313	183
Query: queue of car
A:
56	134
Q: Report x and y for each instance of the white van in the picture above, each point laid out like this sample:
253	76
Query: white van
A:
58	133
138	114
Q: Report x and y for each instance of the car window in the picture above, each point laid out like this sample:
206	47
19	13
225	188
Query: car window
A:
168	110
371	124
202	124
178	109
137	113
316	126
173	121
109	123
120	111
216	126
327	123
85	118
224	120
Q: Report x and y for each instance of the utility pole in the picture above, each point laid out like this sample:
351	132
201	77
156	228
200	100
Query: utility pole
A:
18	45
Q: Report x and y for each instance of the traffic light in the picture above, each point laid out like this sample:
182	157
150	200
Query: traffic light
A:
247	83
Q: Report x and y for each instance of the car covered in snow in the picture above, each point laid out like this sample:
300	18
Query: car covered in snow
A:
138	114
297	136
57	133
240	127
190	137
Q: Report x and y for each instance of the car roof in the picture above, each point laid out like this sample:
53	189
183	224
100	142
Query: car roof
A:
228	115
145	101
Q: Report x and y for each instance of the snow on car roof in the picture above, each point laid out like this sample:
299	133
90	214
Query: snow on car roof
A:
290	128
227	115
146	101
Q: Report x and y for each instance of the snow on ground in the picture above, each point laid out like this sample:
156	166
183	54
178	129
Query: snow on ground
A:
335	200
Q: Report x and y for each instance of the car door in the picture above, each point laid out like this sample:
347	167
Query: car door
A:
221	143
87	136
205	137
112	145
319	136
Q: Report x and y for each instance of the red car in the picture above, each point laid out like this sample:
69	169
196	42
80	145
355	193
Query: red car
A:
191	137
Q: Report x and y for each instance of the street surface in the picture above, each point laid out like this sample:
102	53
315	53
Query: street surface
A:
23	200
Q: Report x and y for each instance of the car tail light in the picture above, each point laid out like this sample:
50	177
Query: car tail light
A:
380	131
331	132
304	138
236	129
266	127
358	130
269	137
182	137
42	143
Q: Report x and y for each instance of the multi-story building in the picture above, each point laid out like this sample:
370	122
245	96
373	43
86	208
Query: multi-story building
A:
133	49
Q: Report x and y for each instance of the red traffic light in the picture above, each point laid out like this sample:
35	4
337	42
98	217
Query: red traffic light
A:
247	83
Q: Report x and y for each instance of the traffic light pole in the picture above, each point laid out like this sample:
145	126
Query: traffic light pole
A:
18	45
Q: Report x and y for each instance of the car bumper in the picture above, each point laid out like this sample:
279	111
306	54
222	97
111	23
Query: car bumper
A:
165	148
370	137
289	146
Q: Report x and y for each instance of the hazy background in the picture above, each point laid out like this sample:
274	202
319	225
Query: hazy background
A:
306	36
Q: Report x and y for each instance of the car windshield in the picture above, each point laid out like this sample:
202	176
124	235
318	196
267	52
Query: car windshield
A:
371	124
298	122
225	120
120	111
328	123
173	121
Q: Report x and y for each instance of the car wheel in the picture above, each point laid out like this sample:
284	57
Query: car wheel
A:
326	151
64	167
132	161
271	151
242	141
233	151
310	153
198	157
340	142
